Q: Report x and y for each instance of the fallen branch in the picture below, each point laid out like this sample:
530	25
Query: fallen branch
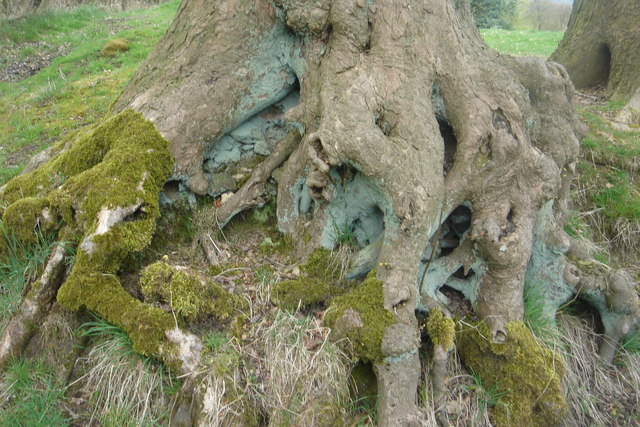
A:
253	191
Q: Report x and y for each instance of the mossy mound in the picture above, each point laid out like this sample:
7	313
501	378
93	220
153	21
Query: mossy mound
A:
189	296
318	283
527	373
360	316
113	170
113	47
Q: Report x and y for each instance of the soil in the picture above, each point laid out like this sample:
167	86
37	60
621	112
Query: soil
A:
13	68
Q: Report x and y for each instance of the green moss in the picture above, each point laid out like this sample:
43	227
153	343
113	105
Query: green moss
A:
441	329
189	296
528	374
24	216
154	277
321	265
303	292
319	282
367	300
121	162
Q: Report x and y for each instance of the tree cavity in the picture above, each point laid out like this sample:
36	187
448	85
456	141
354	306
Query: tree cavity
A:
446	130
449	272
356	211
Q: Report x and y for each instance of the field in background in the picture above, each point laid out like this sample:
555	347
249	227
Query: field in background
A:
522	42
74	84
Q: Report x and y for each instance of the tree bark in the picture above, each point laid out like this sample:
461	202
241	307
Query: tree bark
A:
601	46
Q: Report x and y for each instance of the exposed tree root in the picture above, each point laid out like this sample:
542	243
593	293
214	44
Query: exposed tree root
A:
34	308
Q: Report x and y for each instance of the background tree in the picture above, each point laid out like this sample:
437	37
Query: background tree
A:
449	163
494	13
546	15
600	46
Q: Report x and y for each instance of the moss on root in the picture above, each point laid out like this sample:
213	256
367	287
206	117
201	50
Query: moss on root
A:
367	318
189	296
26	217
120	163
318	283
441	329
529	374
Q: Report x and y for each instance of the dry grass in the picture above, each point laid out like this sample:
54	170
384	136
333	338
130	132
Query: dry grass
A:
285	372
306	376
124	388
597	394
114	47
468	401
223	391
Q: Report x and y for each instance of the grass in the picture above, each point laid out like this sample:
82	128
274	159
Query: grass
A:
468	402
124	387
19	264
30	395
541	323
631	343
77	88
298	354
596	394
487	397
608	185
522	42
214	340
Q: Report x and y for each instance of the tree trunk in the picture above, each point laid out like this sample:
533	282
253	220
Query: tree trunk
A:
387	92
601	46
432	148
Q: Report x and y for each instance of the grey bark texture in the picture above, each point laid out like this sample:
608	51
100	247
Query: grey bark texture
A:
378	81
601	46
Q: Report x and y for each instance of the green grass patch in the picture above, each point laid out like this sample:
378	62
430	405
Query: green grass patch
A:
522	42
619	199
76	89
539	321
31	396
604	140
631	342
609	182
576	227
